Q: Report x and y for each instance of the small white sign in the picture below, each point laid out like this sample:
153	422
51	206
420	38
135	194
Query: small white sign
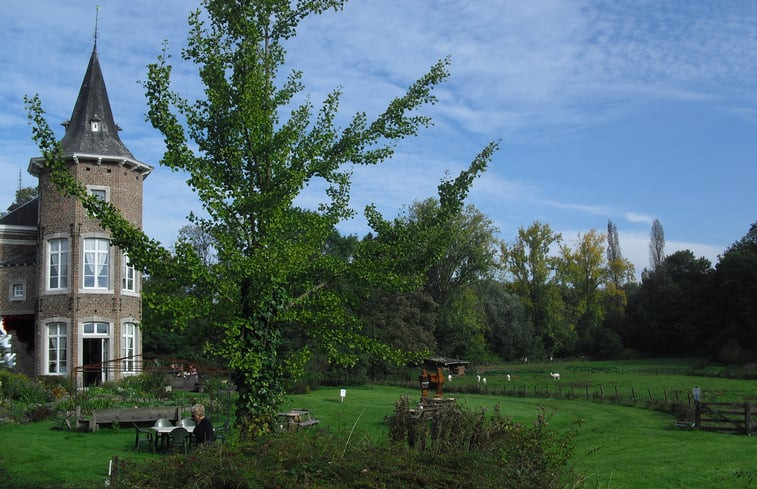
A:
343	394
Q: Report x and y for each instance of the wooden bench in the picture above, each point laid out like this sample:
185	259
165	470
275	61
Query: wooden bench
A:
130	416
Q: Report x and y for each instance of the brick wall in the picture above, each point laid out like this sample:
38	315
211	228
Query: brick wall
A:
64	217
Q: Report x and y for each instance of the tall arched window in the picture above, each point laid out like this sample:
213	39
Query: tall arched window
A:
96	263
128	274
57	349
57	271
129	333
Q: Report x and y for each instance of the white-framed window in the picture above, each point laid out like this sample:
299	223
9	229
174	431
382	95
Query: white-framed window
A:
57	263
95	328
99	191
96	272
129	332
128	274
17	291
57	348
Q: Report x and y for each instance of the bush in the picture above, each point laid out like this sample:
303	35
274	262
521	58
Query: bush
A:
20	388
454	448
525	457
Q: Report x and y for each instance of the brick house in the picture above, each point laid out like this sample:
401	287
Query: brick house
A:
67	296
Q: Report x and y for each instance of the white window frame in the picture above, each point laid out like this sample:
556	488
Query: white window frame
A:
129	347
128	274
99	328
57	352
97	258
13	291
97	189
62	263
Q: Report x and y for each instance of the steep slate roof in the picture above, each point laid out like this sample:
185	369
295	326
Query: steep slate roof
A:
93	104
80	140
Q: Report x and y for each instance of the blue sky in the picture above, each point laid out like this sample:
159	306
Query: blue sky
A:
620	110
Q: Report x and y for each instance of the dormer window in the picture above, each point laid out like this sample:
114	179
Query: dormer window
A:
94	124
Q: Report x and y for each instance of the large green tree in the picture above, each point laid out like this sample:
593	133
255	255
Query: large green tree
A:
247	163
584	271
531	266
468	257
665	315
729	303
509	336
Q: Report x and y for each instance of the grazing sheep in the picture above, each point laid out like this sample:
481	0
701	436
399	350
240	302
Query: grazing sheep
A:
555	375
508	377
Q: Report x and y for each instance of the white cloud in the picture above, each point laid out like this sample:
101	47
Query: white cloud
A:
640	218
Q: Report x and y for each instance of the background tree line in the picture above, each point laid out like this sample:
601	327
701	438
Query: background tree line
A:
486	301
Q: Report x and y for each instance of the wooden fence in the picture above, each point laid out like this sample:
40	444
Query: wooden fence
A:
597	392
729	417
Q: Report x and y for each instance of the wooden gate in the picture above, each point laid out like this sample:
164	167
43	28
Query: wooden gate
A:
729	417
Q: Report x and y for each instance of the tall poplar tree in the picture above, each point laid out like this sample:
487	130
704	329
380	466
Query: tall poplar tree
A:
656	245
247	164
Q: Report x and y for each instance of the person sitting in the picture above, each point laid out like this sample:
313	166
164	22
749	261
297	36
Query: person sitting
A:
203	432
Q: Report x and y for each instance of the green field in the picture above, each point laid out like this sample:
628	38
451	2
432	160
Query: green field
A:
618	446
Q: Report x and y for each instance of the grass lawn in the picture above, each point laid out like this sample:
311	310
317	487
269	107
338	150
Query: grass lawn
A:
617	446
34	456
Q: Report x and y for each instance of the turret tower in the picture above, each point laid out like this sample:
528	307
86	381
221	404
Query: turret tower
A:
88	300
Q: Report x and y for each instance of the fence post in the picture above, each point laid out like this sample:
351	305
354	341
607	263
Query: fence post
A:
617	396
601	392
748	418
650	393
698	415
587	392
633	394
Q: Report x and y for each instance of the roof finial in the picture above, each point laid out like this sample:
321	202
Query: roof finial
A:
97	15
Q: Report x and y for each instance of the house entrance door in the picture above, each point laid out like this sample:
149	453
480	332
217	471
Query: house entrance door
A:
95	358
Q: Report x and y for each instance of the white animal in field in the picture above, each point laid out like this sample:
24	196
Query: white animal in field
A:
478	378
449	377
508	377
484	380
555	375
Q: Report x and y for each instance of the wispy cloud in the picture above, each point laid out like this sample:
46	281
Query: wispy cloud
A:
535	73
639	218
599	210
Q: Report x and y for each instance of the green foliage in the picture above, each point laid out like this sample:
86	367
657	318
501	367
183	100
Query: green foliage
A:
666	314
509	335
532	270
501	450
525	457
18	387
247	165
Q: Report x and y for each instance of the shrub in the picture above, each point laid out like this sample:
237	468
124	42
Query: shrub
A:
20	388
524	457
